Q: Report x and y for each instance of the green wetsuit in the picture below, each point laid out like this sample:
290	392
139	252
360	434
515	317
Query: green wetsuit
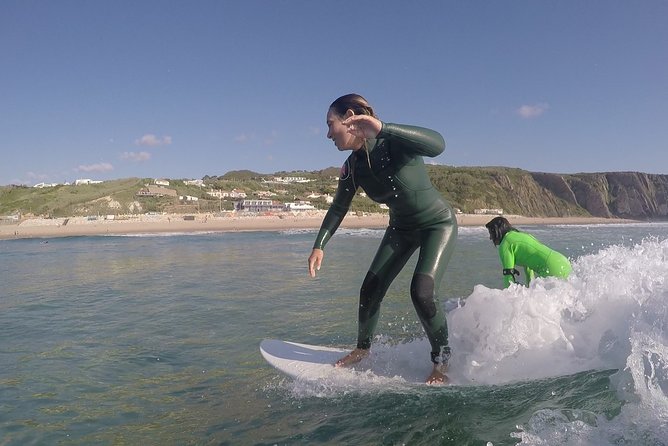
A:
390	169
520	248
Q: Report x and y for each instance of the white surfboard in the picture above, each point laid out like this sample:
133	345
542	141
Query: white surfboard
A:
301	361
316	363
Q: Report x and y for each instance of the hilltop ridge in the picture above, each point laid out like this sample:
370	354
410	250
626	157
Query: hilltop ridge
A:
630	195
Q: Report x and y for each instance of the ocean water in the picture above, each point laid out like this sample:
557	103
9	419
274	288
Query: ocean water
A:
153	340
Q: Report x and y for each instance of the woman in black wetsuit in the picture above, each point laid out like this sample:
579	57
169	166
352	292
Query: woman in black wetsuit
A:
386	162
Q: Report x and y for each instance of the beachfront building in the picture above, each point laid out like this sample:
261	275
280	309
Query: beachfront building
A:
299	206
10	218
162	182
198	183
488	211
43	185
258	206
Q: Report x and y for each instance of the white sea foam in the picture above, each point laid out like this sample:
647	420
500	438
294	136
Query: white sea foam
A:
610	314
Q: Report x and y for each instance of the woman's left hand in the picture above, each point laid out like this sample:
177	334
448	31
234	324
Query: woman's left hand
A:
315	260
363	126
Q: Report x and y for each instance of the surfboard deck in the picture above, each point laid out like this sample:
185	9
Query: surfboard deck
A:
301	360
316	363
388	366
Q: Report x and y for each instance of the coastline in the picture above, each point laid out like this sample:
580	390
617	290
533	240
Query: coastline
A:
234	222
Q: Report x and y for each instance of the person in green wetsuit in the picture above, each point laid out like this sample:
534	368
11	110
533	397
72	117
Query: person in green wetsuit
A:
386	162
518	248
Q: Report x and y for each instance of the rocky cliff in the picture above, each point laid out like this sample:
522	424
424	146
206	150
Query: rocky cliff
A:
631	195
617	194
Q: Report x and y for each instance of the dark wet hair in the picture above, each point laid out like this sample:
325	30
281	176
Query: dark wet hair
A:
354	102
498	227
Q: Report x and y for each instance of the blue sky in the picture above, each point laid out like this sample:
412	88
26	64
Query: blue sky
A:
184	89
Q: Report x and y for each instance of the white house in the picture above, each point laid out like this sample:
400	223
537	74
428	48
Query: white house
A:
237	194
299	206
86	181
488	211
291	180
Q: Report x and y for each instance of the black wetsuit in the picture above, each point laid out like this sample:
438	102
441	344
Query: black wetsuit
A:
390	169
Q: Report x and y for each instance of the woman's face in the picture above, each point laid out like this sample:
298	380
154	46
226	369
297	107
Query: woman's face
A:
491	236
338	132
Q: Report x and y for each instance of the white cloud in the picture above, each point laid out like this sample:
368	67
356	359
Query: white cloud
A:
150	140
99	167
136	156
242	138
532	111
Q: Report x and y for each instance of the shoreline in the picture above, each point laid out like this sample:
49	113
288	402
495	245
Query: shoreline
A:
178	223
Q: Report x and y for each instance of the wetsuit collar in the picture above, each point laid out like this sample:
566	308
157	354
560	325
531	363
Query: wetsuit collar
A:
370	144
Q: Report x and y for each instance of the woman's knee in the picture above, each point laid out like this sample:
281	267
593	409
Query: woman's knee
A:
422	295
371	292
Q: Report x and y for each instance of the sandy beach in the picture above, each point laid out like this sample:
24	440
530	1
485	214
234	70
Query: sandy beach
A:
174	223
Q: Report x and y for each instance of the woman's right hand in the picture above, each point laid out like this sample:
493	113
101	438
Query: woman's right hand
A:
315	260
363	126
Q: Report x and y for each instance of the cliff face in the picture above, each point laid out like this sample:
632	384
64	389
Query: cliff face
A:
632	195
618	194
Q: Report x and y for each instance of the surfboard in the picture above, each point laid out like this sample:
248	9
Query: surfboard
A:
316	363
302	361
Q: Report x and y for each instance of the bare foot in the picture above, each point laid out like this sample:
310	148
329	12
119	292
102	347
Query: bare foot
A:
437	375
352	358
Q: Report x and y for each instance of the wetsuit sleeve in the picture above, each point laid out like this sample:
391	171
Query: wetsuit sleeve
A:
418	140
507	262
337	211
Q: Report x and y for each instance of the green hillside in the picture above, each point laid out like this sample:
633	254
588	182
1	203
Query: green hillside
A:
516	191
